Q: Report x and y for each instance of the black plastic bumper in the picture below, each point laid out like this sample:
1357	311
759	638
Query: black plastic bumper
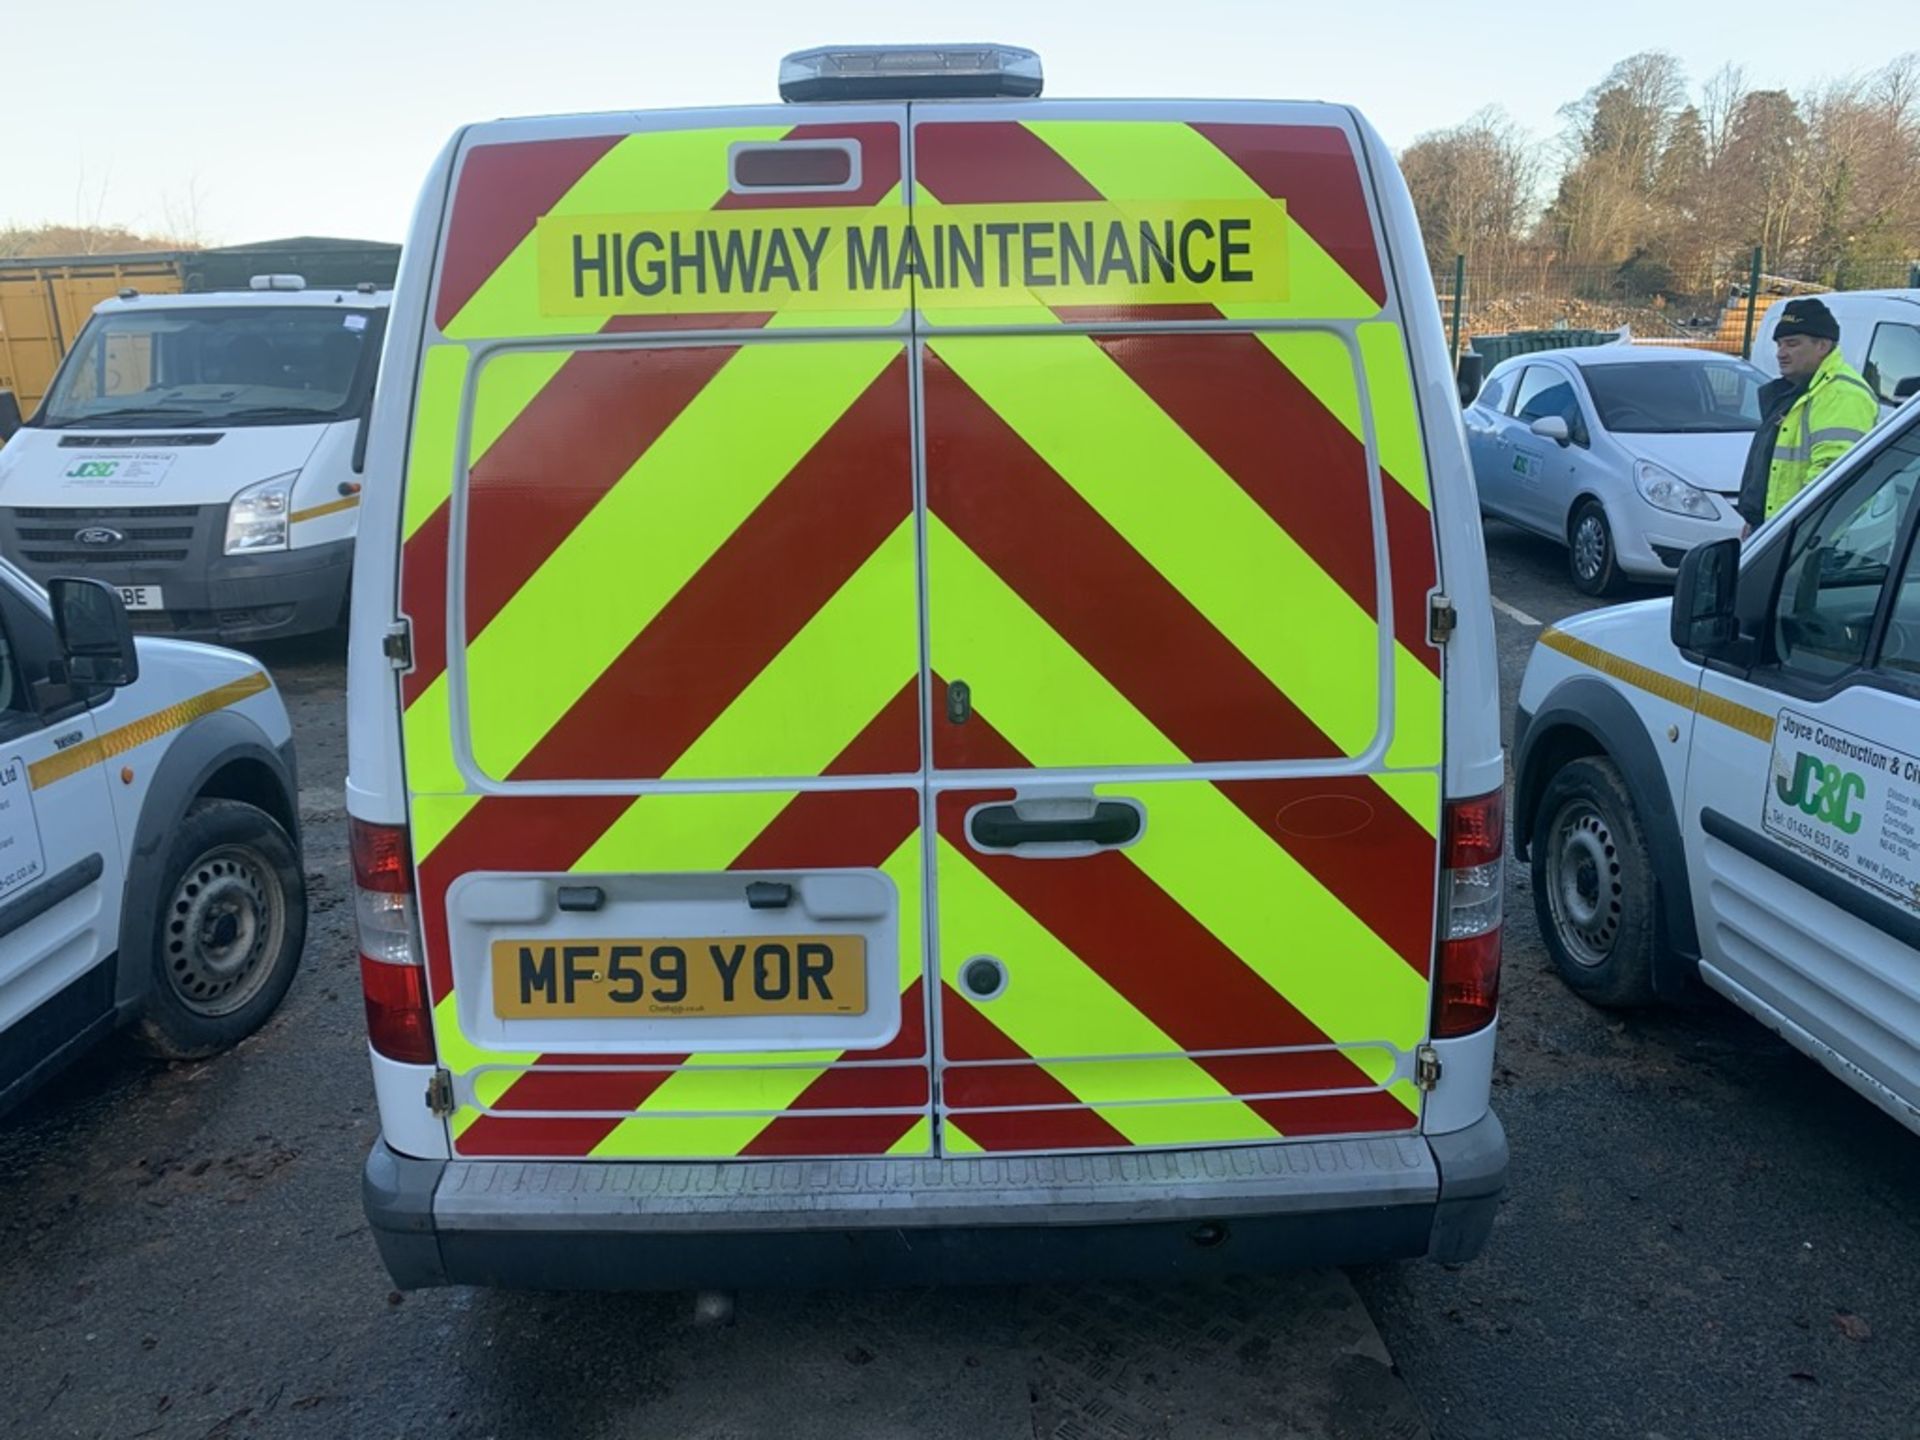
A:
231	599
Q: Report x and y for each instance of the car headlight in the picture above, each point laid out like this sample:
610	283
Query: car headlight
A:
1664	490
257	517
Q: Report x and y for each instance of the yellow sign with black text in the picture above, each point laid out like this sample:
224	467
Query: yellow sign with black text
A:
1079	253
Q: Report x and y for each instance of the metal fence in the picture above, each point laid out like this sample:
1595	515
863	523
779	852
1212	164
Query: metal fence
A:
1714	307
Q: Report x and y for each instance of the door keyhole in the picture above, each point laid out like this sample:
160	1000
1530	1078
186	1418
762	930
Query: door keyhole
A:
959	702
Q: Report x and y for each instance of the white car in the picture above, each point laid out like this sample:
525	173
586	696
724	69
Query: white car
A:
150	872
1629	457
1726	788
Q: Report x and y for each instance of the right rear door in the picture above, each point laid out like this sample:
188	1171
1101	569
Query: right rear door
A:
1178	556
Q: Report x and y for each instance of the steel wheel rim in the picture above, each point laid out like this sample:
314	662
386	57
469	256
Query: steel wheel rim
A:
1589	546
226	919
1585	892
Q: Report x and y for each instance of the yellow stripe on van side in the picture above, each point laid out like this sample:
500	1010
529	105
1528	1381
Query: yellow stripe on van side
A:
148	728
1056	1005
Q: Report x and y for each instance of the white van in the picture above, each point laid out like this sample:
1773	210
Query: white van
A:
150	874
204	454
1879	337
1727	788
922	698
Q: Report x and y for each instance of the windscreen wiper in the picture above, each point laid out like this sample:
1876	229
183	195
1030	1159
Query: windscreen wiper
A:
134	412
276	412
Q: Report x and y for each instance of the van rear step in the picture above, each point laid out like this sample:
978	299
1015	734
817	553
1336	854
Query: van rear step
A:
933	1220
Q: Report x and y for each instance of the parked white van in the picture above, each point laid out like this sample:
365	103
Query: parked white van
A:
921	698
150	873
204	454
1727	786
1879	337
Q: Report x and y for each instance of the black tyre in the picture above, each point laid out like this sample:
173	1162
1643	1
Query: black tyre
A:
1590	556
1593	885
232	922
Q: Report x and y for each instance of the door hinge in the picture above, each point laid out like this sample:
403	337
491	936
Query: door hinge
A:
397	645
440	1093
1426	1067
1442	619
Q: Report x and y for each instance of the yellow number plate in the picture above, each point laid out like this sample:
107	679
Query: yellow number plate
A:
672	979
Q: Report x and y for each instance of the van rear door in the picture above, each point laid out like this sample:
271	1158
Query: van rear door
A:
663	731
787	662
1186	722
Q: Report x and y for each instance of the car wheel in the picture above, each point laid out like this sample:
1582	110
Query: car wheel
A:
1593	885
232	922
1590	551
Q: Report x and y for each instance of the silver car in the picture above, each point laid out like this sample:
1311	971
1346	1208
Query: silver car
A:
1629	456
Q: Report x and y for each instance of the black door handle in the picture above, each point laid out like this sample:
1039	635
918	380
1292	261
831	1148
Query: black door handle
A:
1000	827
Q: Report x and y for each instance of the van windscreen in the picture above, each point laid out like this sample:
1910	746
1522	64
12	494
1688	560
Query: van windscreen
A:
243	365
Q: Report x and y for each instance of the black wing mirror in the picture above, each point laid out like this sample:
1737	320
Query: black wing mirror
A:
1705	624
1903	389
10	421
1471	375
95	634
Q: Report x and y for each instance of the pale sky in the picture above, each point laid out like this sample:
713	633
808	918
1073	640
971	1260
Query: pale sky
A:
250	121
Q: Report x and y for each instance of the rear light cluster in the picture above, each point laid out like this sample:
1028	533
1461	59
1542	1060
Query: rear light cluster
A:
1472	884
392	976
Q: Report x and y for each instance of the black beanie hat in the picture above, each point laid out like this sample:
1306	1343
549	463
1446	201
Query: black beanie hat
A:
1807	317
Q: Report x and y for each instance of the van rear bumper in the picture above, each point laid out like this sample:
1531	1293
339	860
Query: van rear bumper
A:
970	1219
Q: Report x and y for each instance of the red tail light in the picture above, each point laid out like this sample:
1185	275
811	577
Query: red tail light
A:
392	977
399	1019
1472	886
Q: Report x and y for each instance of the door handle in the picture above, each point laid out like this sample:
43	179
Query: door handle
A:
1001	827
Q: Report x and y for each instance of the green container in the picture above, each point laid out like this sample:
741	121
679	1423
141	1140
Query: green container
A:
1496	348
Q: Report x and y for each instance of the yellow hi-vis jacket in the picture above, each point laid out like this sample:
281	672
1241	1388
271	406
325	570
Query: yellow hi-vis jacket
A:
1830	417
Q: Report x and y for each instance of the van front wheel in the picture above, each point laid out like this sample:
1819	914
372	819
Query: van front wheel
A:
1593	885
227	939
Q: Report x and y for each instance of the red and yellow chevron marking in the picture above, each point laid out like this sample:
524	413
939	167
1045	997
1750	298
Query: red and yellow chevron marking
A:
699	562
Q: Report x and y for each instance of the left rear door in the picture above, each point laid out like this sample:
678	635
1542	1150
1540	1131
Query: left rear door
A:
663	734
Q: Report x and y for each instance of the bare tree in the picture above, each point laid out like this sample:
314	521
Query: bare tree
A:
1719	104
1472	186
183	215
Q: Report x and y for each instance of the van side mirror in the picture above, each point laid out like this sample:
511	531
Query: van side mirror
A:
1554	428
1705	624
1904	389
1470	377
95	635
10	421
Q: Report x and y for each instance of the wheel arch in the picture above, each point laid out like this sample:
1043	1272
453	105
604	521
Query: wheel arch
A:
220	756
1585	717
